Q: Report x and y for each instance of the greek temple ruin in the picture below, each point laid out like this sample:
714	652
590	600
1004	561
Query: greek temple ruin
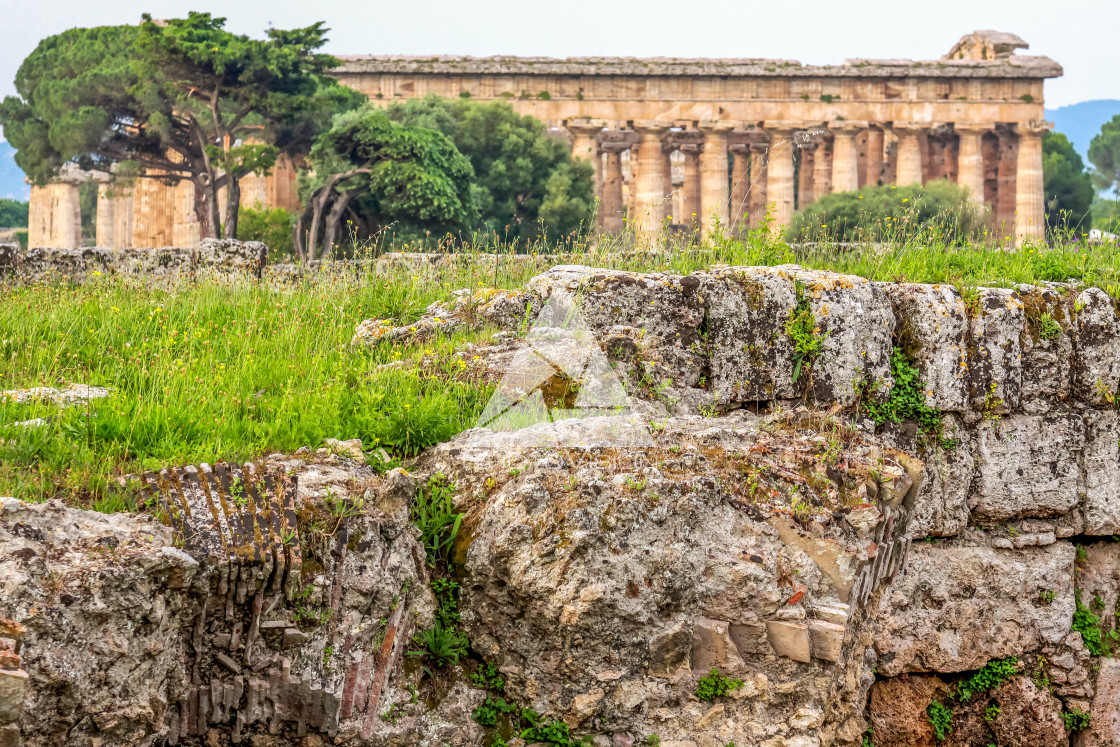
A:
722	144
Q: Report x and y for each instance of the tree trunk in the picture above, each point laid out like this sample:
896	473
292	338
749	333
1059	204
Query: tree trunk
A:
207	229
335	218
319	201
297	239
233	203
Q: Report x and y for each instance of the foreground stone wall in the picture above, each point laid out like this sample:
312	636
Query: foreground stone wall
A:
224	256
848	574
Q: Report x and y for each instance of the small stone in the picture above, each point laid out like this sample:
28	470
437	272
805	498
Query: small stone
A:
797	595
790	639
293	637
226	661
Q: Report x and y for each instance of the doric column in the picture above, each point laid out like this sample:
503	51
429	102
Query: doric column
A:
1030	220
713	177
106	217
759	153
55	216
970	157
186	231
805	174
909	152
845	155
873	164
739	209
586	148
692	205
779	171
652	184
822	167
610	211
153	213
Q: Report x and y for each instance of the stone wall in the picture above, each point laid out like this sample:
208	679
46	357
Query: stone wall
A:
211	255
847	574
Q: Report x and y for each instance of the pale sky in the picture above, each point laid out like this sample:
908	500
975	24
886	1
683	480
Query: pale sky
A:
1079	34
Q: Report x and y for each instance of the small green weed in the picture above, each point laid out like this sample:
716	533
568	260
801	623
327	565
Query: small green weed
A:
1089	625
1075	720
906	400
439	645
941	717
991	713
992	675
1048	327
714	685
434	514
1046	596
488	677
805	333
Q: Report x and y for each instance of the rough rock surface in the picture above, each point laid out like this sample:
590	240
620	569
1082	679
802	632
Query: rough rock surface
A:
605	584
958	606
1017	712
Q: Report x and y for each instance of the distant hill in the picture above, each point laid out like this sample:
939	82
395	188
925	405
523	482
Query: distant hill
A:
11	177
1080	122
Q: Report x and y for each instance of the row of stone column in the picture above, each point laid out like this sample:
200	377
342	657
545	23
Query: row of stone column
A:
761	175
151	213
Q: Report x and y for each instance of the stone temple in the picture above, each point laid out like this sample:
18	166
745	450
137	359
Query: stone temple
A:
706	142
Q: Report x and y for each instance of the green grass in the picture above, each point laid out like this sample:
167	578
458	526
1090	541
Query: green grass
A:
229	370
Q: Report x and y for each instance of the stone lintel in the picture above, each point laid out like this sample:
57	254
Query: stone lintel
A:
1008	67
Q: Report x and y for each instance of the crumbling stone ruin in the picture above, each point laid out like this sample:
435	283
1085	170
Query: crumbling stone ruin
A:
848	583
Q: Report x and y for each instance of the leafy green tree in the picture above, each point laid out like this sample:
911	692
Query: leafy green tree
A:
1068	188
939	210
273	226
177	100
526	181
13	213
1104	153
383	171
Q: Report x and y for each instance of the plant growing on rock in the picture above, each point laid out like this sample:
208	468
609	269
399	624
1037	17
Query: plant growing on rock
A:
941	717
804	331
906	400
714	685
1075	720
435	516
440	646
993	674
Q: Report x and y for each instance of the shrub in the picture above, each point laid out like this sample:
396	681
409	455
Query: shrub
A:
940	211
273	226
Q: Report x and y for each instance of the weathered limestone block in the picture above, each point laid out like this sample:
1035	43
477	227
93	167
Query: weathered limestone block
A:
1027	465
995	359
897	709
955	608
104	598
941	506
1098	577
10	258
249	257
790	639
1104	716
665	308
13	690
933	333
746	310
1101	462
1096	345
856	321
1047	349
1021	713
